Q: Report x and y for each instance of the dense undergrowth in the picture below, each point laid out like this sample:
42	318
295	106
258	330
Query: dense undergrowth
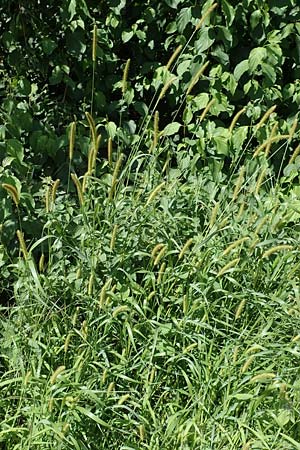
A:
156	304
163	313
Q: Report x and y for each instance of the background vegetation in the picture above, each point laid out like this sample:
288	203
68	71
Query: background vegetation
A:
149	224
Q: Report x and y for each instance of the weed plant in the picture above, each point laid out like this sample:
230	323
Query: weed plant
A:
163	310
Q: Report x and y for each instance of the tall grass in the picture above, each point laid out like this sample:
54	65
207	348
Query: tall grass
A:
165	313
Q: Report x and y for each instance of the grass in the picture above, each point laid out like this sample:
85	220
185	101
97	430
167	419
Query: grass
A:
160	307
165	315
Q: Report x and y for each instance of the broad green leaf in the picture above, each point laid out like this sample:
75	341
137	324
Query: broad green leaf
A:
171	129
240	69
228	11
204	41
187	116
184	17
283	417
256	57
72	9
48	46
222	142
15	149
183	67
200	101
269	72
56	76
255	18
127	35
111	129
239	136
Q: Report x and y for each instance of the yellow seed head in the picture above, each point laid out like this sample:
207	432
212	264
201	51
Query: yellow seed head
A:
235	354
50	404
152	374
263	377
273	133
54	190
240	309
72	140
103	293
247	364
277	248
56	373
78	187
259	181
94	46
173	56
205	15
155	192
142	432
161	272
240	211
160	255
293	128
228	266
155	130
67	342
196	77
27	377
295	154
265	117
92	128
235	244
104	375
42	263
278	138
185	248
235	119
119	309
23	248
115	176
166	87
91	284
261	224
74	319
125	76
110	388
113	237
13	192
206	110
123	399
239	183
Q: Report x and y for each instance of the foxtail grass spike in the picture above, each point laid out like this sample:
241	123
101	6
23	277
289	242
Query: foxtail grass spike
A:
72	134
23	248
205	15
125	76
13	192
174	56
94	46
265	117
235	119
196	77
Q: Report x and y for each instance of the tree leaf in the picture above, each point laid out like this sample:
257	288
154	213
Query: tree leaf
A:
240	69
256	57
228	11
171	129
204	41
184	17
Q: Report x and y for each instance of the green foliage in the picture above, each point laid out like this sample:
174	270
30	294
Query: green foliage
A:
154	311
155	294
